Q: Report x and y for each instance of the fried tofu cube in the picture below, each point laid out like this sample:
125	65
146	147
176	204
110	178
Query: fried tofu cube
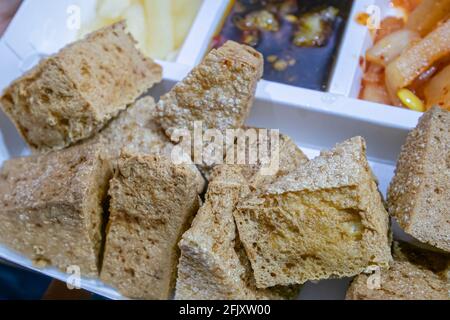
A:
51	207
213	263
420	191
152	203
415	274
219	92
326	219
70	96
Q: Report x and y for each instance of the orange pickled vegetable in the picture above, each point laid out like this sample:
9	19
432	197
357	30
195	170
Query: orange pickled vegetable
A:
391	46
415	60
437	91
427	16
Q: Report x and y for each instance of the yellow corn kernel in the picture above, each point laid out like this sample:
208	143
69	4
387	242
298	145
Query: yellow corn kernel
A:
410	100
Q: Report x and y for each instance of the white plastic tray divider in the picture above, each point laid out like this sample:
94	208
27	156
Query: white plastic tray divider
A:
208	21
9	66
42	26
40	29
314	130
347	71
11	143
338	105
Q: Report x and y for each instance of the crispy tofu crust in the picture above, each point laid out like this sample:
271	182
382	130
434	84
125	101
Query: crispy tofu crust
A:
73	94
419	194
134	131
326	219
51	207
213	263
219	92
152	203
415	274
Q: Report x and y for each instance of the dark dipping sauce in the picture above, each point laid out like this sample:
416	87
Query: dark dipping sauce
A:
275	27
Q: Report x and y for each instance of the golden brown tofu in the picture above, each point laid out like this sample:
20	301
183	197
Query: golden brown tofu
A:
415	274
420	191
152	203
219	92
51	207
326	219
213	263
73	94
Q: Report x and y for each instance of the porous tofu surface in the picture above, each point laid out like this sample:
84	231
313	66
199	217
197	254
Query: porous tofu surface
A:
51	207
419	193
213	263
415	274
219	92
326	219
280	158
135	131
152	203
73	94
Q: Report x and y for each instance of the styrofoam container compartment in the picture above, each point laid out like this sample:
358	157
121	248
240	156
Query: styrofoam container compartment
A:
315	120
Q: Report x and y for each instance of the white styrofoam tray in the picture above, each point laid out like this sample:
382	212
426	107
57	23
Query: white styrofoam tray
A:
40	29
315	120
